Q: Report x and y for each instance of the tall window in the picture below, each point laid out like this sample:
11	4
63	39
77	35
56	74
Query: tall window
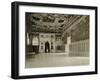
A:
28	40
41	45
51	45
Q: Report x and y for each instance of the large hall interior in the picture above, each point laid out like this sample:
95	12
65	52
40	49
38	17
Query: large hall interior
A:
56	40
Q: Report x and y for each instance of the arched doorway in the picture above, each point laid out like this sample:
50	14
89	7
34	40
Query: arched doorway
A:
47	47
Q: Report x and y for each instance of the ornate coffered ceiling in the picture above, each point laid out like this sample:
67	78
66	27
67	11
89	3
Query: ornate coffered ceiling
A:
47	22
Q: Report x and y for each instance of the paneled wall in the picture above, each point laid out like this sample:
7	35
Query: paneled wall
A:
79	48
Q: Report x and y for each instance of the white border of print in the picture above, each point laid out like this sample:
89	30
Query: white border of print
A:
53	70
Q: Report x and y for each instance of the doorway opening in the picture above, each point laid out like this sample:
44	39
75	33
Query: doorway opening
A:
47	47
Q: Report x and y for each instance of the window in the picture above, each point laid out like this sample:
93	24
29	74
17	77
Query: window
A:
41	47
51	47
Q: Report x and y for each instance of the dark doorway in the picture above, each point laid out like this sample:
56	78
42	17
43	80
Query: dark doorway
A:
47	47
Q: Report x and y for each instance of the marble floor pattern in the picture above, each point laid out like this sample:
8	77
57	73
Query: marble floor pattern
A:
54	60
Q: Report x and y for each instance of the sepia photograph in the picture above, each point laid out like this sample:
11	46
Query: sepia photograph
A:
56	40
51	40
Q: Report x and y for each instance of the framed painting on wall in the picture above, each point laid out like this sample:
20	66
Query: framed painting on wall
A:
50	40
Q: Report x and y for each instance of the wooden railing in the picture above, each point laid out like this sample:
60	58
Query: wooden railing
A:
80	48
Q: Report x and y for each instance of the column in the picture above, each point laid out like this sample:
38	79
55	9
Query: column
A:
67	45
